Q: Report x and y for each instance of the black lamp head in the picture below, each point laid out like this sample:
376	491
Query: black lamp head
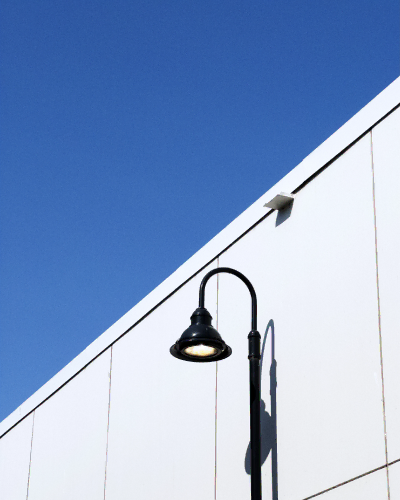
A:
200	342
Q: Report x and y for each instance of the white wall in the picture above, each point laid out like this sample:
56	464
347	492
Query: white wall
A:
162	428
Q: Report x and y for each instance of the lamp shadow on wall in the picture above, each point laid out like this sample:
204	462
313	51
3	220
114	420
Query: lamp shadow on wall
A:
268	422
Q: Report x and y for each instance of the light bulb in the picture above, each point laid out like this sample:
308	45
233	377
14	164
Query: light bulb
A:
200	350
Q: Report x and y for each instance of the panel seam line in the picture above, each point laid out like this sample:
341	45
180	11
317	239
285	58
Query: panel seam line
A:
30	456
379	309
216	400
386	466
108	424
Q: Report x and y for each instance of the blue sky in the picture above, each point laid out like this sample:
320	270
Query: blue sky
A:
134	131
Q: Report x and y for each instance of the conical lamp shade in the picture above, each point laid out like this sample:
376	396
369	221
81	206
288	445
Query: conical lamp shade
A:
200	342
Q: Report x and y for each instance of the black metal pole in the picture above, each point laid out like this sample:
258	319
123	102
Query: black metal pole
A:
255	378
255	429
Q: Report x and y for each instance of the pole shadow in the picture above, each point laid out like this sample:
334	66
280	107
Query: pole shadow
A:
269	439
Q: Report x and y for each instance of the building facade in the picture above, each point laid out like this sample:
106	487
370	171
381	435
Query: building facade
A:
125	420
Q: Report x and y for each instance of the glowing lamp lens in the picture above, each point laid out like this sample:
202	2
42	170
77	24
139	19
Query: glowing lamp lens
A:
200	350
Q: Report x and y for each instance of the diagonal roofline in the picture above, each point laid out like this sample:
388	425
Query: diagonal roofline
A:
359	125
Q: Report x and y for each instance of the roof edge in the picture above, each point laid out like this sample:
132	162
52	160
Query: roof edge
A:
320	158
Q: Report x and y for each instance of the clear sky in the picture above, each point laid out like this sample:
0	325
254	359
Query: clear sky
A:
133	131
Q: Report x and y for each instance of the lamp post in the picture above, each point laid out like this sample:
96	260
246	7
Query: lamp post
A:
202	343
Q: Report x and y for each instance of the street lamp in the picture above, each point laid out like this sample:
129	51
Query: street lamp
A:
202	343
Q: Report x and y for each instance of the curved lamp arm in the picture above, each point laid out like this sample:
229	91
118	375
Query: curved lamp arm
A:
245	281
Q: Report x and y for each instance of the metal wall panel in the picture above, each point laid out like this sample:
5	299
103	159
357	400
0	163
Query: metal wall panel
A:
394	481
15	449
386	154
162	416
70	435
314	271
